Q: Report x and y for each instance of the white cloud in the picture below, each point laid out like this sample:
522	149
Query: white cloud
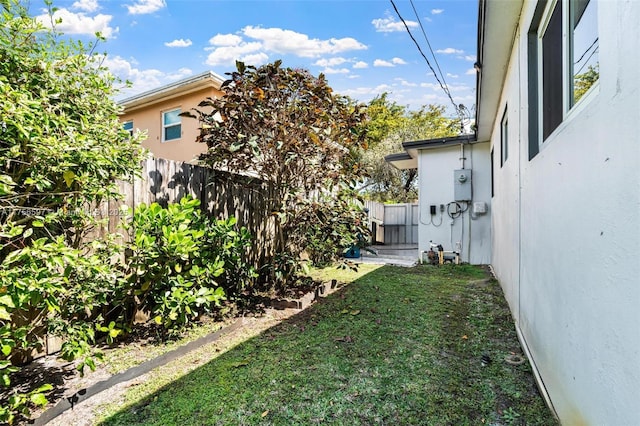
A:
141	80
226	55
405	83
470	58
86	5
452	87
143	7
389	25
452	75
330	70
256	59
450	51
359	92
225	40
392	63
360	65
432	86
470	71
436	11
181	73
290	42
227	48
331	62
79	23
179	43
382	63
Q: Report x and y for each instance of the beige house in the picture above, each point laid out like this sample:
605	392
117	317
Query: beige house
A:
157	112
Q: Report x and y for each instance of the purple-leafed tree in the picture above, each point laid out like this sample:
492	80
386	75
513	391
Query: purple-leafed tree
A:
290	129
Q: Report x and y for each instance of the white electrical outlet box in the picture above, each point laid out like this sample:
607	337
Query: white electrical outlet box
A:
479	207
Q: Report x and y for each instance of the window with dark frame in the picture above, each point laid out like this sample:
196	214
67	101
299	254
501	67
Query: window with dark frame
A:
563	64
584	47
551	41
504	138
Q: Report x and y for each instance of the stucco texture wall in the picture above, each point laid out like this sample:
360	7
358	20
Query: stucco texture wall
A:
566	230
470	233
149	118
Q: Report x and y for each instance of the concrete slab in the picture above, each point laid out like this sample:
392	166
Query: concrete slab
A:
397	254
387	261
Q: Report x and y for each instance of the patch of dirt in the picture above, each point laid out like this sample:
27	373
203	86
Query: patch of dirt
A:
67	382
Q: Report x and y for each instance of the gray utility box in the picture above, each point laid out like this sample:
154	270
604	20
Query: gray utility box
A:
462	184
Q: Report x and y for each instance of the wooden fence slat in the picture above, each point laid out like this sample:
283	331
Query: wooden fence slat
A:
221	195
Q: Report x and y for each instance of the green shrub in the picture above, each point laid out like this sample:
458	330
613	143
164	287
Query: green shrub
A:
51	288
225	241
62	148
179	259
335	225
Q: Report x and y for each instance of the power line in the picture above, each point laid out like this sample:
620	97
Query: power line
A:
587	62
429	44
445	90
588	49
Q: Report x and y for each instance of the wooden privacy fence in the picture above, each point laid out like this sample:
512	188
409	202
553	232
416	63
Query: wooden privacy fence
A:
221	195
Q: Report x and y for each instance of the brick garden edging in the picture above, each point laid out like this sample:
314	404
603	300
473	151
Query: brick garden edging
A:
70	401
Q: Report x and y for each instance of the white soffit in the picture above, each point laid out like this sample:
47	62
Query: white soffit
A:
497	33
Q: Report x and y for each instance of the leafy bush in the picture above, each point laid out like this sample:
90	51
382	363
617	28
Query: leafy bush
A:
51	288
336	224
178	259
62	148
225	241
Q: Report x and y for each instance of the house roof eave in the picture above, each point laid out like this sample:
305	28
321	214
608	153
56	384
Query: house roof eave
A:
497	28
409	158
402	161
173	90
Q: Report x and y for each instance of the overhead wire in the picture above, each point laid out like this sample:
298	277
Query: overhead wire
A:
587	51
424	33
587	62
435	74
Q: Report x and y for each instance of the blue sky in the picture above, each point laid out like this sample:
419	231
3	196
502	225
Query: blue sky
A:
360	45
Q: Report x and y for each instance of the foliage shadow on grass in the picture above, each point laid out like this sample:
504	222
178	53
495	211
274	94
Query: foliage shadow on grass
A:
420	346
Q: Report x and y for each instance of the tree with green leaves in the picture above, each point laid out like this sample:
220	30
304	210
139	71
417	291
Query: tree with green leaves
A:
61	144
62	148
584	81
291	130
385	117
392	125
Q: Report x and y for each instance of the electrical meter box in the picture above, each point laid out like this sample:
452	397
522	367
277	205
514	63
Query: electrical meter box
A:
462	184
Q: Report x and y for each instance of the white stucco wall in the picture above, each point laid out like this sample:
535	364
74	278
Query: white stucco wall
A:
566	231
436	166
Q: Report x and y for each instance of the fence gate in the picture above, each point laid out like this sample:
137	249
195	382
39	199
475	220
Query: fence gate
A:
393	223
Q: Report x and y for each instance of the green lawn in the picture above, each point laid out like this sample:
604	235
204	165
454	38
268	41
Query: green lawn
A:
400	346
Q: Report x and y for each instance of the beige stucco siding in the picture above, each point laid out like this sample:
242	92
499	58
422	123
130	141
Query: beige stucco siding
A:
149	118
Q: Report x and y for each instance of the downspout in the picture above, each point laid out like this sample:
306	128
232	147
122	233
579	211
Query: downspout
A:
471	205
468	221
